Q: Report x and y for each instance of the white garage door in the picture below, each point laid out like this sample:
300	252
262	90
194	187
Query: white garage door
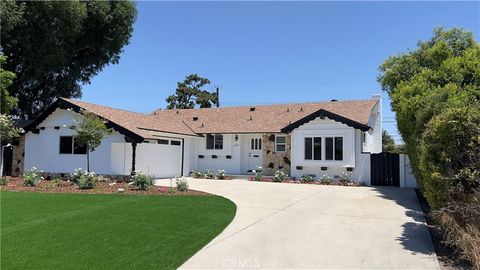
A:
160	160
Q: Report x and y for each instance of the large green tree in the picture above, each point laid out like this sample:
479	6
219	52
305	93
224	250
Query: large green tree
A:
190	93
54	47
428	86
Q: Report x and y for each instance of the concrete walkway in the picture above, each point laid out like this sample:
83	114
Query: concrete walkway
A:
293	226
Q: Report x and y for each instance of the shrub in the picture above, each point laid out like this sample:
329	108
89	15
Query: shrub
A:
182	184
306	178
258	173
221	174
209	174
345	178
54	183
279	176
75	176
32	177
87	180
197	174
3	181
141	181
326	179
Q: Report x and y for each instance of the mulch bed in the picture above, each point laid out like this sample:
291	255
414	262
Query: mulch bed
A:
101	187
291	181
446	255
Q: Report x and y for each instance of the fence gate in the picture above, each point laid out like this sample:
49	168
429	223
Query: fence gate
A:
385	169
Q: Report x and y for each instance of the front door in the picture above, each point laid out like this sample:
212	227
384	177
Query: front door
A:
254	152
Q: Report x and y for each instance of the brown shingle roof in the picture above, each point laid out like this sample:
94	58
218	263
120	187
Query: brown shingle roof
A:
265	118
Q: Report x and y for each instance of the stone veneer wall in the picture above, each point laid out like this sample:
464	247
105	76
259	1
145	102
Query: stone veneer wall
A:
18	157
273	161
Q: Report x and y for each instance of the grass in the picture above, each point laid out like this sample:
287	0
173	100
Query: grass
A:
84	231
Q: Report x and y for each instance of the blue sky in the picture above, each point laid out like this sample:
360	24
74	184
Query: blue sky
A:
270	52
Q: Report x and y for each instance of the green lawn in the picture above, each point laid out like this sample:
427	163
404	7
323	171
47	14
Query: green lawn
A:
81	231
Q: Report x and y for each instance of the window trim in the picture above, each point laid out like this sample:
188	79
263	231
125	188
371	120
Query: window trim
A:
277	144
214	141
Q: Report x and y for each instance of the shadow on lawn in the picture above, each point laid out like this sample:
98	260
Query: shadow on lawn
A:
415	236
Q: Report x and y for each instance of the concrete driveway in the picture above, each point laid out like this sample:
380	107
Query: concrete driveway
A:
293	226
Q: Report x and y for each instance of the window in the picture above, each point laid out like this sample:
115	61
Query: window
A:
255	144
308	148
215	141
313	148
280	144
68	145
172	142
334	148
317	148
364	137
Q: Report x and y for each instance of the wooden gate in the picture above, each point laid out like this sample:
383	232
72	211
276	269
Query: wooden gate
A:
385	169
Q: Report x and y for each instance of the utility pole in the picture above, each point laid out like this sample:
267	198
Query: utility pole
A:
218	95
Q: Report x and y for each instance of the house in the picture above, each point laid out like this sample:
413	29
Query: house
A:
302	138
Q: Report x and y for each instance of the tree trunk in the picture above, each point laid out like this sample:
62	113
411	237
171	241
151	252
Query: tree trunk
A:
88	160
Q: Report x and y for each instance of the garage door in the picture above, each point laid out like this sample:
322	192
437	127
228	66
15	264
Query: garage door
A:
161	160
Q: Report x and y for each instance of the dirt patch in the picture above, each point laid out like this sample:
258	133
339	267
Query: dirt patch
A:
103	187
447	257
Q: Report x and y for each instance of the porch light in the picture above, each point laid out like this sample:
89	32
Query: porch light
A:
236	138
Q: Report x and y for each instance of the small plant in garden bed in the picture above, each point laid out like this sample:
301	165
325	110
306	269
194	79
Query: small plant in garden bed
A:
84	179
258	174
306	178
345	178
279	176
32	177
221	174
3	181
210	174
197	174
141	181
56	182
182	184
326	179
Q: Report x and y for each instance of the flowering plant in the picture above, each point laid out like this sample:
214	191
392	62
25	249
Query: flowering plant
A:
221	174
306	178
326	179
32	177
279	176
258	173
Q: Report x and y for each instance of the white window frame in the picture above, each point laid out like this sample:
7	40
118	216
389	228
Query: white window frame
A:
214	138
277	143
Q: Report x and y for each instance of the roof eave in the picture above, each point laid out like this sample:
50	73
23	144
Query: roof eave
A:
65	104
330	115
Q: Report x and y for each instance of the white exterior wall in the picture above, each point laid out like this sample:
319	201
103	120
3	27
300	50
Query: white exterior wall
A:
230	147
376	124
407	179
43	150
323	128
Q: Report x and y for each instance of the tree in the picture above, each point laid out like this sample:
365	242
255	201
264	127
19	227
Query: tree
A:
189	93
388	144
91	130
6	79
54	47
441	74
435	93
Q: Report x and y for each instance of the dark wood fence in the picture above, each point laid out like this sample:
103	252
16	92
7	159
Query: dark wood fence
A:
385	169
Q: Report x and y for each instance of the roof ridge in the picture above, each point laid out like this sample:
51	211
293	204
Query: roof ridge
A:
269	105
103	106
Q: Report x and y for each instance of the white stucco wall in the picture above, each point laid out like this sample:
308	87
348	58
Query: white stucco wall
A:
43	150
230	147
